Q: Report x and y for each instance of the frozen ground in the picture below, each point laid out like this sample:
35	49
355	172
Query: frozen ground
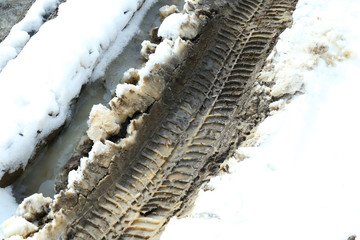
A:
303	180
37	87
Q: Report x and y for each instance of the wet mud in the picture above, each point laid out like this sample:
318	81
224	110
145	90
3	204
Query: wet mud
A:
209	105
210	102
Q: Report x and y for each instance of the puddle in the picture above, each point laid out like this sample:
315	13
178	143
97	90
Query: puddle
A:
40	175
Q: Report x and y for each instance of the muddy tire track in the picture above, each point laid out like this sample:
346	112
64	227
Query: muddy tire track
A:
186	134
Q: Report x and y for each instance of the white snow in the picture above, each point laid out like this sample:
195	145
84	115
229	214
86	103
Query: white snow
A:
8	204
19	34
36	88
303	180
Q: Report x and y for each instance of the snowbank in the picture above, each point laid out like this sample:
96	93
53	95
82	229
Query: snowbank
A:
303	181
36	88
20	33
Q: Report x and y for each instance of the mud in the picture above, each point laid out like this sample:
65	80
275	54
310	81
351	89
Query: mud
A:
130	186
209	105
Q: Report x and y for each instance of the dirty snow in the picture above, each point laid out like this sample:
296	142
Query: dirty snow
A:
12	226
37	87
303	180
141	88
34	207
182	25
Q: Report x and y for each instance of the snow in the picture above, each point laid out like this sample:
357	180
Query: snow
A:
301	179
167	10
182	25
140	88
8	204
37	87
34	207
19	34
18	226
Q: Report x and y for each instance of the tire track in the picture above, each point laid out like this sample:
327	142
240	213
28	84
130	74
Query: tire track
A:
193	126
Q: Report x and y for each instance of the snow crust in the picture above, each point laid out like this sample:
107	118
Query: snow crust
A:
303	179
36	88
19	34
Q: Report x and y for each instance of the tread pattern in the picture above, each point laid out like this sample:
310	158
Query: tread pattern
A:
135	201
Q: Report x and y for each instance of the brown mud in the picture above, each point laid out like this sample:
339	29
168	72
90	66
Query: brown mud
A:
180	135
209	105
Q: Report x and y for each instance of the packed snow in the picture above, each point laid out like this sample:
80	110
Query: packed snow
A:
301	180
20	33
38	86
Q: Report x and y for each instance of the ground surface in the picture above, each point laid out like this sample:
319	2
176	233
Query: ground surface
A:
297	178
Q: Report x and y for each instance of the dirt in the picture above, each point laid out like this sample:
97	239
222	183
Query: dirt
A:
210	104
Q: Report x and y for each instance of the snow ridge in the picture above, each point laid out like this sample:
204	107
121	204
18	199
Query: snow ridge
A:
54	65
20	33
